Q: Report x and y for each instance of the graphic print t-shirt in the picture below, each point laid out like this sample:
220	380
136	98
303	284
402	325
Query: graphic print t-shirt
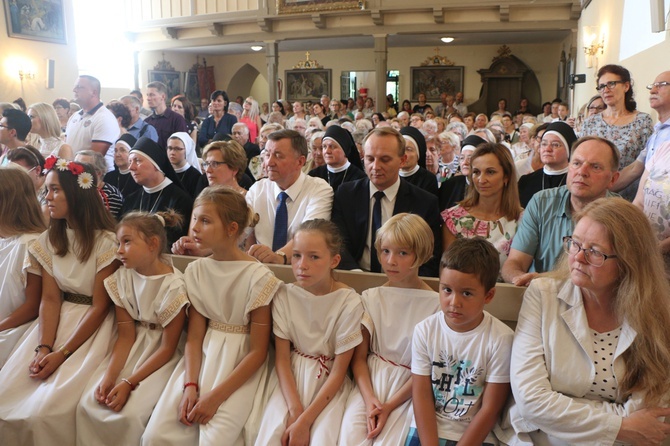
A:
460	365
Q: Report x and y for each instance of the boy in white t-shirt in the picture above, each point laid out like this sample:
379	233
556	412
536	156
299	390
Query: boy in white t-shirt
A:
461	356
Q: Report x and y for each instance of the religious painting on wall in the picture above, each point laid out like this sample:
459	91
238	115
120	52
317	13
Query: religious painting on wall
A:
307	85
36	20
171	79
432	81
297	6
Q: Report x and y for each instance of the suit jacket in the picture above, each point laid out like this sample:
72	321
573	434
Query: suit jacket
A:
351	210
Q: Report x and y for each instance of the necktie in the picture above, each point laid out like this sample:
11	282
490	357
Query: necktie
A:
375	267
281	223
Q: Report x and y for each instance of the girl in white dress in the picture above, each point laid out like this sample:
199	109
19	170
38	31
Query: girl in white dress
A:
151	302
378	410
316	327
212	392
19	289
44	378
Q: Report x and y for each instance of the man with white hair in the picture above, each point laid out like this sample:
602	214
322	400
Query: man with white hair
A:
138	128
241	135
325	101
403	117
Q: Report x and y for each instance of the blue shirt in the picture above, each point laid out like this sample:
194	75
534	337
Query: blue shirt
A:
661	134
208	128
545	221
140	128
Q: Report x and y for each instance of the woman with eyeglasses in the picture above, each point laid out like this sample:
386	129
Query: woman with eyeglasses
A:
591	352
225	163
620	122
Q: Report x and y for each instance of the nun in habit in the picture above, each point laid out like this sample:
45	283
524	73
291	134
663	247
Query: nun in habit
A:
341	156
160	188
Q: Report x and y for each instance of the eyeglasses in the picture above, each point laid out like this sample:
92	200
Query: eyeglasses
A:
658	85
609	85
32	117
5	126
175	149
213	164
554	145
592	256
596	108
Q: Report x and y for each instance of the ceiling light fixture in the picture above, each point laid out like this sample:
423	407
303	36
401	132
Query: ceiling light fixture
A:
447	39
256	47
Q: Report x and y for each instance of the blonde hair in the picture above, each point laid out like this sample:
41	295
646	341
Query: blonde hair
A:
409	231
230	206
642	296
510	205
48	117
17	187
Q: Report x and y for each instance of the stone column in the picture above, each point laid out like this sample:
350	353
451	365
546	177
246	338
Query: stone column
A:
272	61
381	59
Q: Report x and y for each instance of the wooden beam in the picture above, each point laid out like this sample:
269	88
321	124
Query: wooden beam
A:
216	29
377	17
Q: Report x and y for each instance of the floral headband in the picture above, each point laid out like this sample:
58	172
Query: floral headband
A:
84	179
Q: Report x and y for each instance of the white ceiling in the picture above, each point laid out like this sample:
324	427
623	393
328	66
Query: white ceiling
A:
394	41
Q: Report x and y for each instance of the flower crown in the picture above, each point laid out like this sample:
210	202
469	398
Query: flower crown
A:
84	179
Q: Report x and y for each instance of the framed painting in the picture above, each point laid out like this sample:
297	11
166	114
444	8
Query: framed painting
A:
432	81
36	20
298	6
307	85
171	79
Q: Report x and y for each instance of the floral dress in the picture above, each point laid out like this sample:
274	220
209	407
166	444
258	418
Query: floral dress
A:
499	232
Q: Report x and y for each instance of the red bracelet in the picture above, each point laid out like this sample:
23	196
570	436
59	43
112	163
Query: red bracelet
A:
191	384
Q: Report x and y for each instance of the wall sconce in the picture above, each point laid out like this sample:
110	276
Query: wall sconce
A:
594	42
26	74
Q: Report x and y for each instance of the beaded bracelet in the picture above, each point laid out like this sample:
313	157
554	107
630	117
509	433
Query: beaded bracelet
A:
191	384
132	386
44	346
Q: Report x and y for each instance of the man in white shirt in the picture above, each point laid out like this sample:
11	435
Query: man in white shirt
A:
94	127
286	198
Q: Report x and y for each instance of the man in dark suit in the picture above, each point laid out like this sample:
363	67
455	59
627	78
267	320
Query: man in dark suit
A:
361	206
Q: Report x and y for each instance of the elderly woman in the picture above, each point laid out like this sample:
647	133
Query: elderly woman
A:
414	168
450	147
533	162
620	122
491	207
592	348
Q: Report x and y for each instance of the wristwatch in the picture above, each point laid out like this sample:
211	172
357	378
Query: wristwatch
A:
283	254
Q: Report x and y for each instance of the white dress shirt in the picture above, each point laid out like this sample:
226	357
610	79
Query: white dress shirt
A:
308	198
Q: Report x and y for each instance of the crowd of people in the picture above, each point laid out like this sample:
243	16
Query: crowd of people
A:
404	191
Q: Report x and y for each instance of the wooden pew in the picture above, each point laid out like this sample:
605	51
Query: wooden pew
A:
505	305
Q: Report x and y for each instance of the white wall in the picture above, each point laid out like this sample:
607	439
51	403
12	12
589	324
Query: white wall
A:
644	66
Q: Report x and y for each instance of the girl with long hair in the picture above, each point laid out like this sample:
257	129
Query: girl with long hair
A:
74	330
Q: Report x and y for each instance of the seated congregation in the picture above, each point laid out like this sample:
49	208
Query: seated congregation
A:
336	278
